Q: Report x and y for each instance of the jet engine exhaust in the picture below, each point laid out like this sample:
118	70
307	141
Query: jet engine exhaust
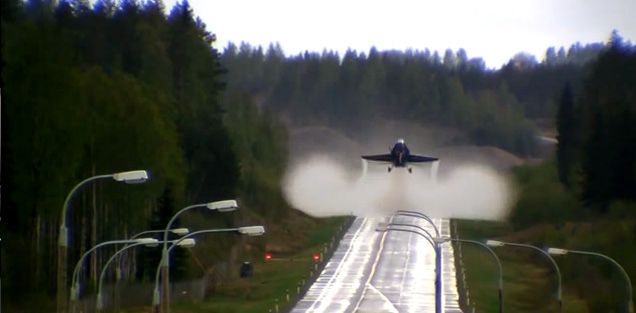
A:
434	169
321	187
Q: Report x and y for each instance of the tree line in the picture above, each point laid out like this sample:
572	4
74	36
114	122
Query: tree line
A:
116	86
596	154
113	86
593	172
353	91
585	197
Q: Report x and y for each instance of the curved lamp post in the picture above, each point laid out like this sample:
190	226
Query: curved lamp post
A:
387	227
382	227
500	283
630	302
495	243
246	230
149	243
176	231
221	206
438	256
131	177
75	285
419	215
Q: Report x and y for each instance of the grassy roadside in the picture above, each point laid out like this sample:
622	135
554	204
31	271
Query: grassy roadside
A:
589	284
272	279
527	278
296	238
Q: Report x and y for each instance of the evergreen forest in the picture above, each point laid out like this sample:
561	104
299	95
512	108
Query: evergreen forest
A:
111	86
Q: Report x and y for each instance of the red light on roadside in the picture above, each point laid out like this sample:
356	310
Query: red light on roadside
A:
316	257
268	256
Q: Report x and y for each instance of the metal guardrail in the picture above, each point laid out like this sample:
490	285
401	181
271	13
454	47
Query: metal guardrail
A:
140	294
462	287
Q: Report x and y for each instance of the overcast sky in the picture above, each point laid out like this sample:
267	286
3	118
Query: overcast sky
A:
492	29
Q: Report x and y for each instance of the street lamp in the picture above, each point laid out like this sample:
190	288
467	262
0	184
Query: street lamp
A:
75	285
630	302
436	248
252	230
495	243
131	177
419	215
176	231
384	227
441	240
148	243
247	230
221	206
438	256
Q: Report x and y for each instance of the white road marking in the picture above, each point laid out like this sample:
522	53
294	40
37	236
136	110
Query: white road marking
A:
330	282
355	278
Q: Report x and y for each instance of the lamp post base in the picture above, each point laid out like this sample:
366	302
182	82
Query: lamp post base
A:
165	290
62	296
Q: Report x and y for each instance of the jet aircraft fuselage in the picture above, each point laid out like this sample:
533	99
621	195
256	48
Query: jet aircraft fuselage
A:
400	156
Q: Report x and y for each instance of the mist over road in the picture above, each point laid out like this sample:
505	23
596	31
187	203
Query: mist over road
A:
321	187
392	271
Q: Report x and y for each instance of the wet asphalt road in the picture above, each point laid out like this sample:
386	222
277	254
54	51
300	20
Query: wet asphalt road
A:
383	272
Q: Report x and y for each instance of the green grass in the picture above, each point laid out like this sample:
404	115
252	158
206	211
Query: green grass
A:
526	278
325	233
588	284
271	279
480	267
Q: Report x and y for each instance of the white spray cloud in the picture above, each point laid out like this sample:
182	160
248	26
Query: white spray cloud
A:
321	187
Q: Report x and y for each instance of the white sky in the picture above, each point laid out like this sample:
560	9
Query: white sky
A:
492	29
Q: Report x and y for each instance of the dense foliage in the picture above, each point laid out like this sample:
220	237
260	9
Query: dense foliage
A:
354	91
597	130
112	87
595	169
117	86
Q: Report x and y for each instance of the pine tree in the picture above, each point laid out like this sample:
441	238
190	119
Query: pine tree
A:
149	259
609	149
566	141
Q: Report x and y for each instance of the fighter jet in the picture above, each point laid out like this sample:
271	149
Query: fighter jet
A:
400	156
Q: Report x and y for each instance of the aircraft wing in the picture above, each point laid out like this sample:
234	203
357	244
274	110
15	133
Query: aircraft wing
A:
379	157
421	158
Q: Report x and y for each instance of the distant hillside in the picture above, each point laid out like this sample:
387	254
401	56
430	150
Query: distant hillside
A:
307	141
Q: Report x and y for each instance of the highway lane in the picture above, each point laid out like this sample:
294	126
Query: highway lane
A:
343	277
383	272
